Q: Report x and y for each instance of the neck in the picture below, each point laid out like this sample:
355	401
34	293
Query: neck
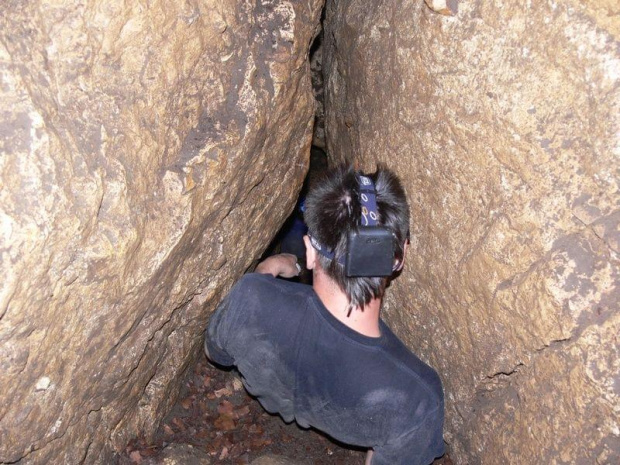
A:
364	321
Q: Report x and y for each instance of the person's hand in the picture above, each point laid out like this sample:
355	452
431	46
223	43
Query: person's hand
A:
283	265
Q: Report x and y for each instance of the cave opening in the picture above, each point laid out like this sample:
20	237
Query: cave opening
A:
288	238
215	418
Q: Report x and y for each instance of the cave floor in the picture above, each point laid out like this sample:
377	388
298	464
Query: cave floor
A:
215	414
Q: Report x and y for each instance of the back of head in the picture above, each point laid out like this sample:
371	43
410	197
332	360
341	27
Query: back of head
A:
333	208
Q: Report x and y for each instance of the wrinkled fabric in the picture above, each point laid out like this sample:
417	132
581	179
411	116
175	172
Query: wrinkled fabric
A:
304	364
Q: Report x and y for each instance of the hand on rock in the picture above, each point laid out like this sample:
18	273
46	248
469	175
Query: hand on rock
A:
284	265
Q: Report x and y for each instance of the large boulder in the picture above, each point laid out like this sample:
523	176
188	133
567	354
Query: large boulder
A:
504	123
148	152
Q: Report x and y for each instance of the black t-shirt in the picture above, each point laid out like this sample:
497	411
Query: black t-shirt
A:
301	362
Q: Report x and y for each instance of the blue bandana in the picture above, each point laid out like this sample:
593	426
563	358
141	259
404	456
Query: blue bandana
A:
368	197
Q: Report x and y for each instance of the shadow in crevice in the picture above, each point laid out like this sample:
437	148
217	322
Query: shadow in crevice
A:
289	239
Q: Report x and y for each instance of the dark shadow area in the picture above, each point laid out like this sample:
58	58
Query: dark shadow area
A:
289	239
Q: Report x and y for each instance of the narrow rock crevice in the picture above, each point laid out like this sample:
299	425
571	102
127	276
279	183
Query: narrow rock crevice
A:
149	154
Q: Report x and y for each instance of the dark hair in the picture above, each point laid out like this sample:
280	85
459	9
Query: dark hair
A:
333	208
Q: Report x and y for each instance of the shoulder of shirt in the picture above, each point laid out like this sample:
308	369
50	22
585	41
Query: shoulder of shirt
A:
426	376
258	281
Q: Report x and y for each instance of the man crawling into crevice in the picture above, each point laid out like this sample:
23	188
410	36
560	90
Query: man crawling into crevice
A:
321	355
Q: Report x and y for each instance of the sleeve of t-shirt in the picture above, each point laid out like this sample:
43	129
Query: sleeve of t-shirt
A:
419	446
219	328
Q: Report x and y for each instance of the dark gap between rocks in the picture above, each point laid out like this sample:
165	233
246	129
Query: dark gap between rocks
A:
289	239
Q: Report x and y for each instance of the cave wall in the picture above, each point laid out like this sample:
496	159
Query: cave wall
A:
148	153
504	123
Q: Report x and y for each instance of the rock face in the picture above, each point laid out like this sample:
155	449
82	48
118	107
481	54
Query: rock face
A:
148	153
504	122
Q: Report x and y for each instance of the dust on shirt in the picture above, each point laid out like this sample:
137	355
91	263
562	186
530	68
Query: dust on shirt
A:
304	364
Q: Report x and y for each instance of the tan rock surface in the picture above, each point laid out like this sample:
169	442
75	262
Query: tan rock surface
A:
148	153
504	122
